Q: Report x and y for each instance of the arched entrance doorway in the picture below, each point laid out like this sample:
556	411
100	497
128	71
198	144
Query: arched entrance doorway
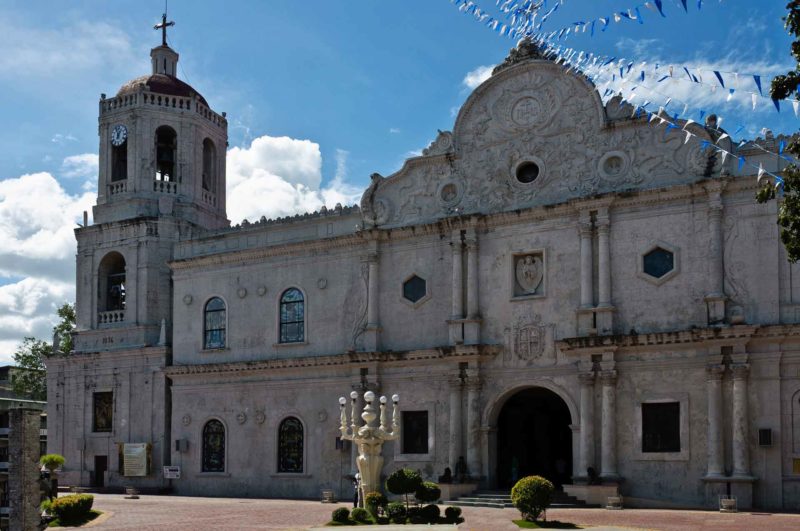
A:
534	438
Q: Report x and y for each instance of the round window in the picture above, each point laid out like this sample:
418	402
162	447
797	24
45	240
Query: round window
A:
527	172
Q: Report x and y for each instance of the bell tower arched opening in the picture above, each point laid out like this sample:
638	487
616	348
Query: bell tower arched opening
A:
111	275
119	162
209	165
534	438
166	153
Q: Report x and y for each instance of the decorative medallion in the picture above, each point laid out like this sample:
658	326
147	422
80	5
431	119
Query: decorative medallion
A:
613	165
242	293
322	415
260	417
241	417
528	272
450	193
322	283
526	112
187	299
529	342
261	290
186	420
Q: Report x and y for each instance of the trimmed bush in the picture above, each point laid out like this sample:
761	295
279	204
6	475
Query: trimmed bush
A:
341	515
52	461
396	512
73	507
373	500
415	516
360	515
531	496
404	481
428	492
452	515
430	513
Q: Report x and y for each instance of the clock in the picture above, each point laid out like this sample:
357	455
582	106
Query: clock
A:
118	135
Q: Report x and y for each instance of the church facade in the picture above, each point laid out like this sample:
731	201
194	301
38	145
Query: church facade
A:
556	285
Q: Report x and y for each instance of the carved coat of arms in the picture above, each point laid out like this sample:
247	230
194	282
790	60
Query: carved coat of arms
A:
529	272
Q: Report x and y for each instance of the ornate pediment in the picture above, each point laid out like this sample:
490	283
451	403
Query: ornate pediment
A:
534	134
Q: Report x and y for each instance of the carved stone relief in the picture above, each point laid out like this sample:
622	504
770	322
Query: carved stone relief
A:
528	274
529	342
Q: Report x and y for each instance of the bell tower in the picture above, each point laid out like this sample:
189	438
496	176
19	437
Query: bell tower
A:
161	179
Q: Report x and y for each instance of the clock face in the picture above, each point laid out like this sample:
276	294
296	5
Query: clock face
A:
118	135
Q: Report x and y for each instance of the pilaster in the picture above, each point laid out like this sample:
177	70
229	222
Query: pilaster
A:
586	458
456	323
715	299
472	326
716	464
455	445
473	385
608	440
372	331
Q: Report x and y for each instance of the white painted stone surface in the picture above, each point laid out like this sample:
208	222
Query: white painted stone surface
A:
458	218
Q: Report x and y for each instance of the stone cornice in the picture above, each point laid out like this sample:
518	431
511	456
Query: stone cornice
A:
733	334
340	360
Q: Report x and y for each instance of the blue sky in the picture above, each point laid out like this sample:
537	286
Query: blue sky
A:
319	95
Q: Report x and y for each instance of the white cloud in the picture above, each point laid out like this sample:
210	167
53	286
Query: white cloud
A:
84	166
58	138
27	51
477	76
281	176
394	130
36	221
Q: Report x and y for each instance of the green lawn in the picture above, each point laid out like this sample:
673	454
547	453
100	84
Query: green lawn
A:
552	524
76	523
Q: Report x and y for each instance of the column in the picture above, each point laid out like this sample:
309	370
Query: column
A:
741	459
715	300
603	261
473	308
715	246
586	458
608	440
716	464
371	340
457	314
585	231
473	427
473	325
372	303
455	423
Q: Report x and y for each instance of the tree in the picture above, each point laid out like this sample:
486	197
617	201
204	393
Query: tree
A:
52	462
404	481
531	496
65	327
784	87
29	379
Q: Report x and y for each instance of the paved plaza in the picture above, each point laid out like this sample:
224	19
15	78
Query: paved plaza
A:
164	513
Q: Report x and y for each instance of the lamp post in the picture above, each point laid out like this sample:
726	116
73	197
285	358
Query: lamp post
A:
369	438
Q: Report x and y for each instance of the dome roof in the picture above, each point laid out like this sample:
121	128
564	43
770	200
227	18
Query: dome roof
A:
161	84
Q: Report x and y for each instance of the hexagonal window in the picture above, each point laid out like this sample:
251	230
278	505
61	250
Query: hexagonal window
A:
658	262
415	289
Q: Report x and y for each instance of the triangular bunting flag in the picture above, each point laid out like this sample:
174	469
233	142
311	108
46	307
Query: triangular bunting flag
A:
757	79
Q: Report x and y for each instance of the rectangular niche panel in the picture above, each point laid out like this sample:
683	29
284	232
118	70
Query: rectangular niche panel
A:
528	274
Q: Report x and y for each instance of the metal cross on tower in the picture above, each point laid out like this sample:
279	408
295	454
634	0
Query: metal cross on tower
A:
163	27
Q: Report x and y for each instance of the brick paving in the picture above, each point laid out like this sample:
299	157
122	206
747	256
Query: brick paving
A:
165	513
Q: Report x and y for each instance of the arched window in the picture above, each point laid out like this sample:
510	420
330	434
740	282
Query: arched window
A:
111	277
166	150
213	446
209	165
214	324
119	162
290	446
292	316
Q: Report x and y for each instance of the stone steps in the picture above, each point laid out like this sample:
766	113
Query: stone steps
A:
502	499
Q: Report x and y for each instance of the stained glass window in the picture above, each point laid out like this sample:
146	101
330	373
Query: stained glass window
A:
213	446
214	324
103	411
290	446
292	316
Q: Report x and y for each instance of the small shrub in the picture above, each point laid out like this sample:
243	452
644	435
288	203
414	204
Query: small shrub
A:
382	520
341	515
430	513
396	512
452	515
52	461
360	515
531	496
428	492
72	507
403	481
373	500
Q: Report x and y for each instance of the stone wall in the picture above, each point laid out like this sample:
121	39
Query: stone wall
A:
23	477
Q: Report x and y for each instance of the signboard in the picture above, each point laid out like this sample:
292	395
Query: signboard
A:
172	472
135	459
